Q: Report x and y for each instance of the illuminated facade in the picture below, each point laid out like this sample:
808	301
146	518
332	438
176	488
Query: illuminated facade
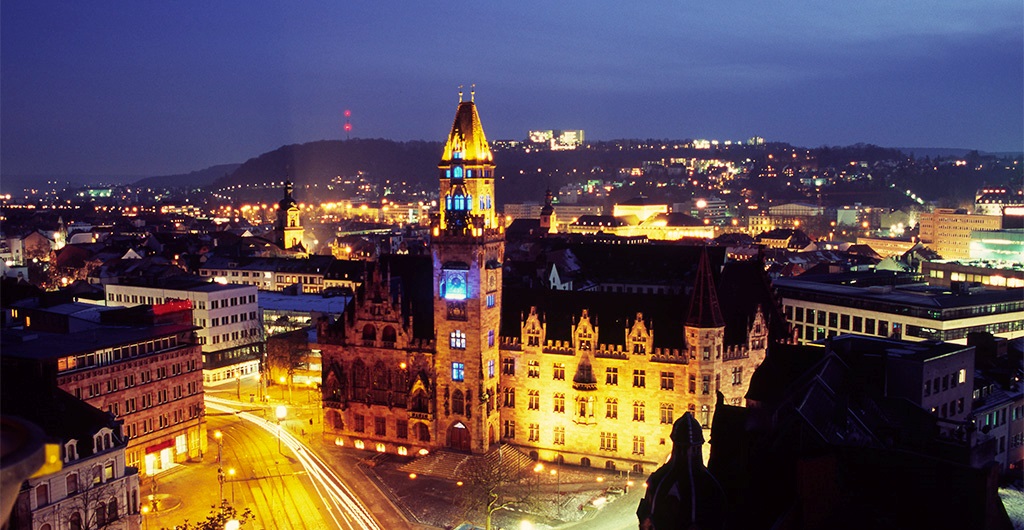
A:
288	228
468	388
948	231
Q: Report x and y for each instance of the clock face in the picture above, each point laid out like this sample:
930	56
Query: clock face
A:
455	285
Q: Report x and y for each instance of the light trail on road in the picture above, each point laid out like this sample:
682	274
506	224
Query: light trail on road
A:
339	499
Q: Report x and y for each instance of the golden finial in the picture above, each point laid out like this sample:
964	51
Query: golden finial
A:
472	92
460	93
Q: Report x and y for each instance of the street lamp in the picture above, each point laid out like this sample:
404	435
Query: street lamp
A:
145	520
281	413
238	387
231	473
219	436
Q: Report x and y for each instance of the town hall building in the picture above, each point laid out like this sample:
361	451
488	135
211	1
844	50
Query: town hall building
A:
430	356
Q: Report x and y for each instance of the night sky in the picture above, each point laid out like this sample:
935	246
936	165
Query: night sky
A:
149	88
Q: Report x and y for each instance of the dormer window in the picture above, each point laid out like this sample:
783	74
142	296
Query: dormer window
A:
71	451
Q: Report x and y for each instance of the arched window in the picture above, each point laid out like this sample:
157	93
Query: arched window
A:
380	376
369	333
420	402
100	515
423	432
458	172
458	403
585	462
389	336
112	514
360	377
75	521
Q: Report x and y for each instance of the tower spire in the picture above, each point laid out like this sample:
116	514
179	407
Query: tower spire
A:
704	309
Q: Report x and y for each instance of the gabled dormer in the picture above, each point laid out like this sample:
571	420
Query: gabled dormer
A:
584	334
638	337
533	330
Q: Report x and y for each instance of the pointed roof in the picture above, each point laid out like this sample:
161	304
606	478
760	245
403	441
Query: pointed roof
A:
467	138
704	309
584	378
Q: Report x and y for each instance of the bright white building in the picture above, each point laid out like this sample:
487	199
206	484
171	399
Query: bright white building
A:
231	331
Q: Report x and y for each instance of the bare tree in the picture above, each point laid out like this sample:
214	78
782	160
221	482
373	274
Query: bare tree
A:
93	504
218	518
491	485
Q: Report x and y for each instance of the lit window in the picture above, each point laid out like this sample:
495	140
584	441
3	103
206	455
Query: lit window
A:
457	340
458	372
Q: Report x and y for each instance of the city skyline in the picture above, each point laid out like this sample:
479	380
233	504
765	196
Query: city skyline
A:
159	89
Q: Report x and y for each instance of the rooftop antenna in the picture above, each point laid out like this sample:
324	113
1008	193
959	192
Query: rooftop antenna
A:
348	124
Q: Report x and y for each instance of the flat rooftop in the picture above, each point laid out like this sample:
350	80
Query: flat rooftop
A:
303	303
914	295
28	344
917	351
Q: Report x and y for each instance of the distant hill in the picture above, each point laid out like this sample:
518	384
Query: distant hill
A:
195	179
320	162
921	152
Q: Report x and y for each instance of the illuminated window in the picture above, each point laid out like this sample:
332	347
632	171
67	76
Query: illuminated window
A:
611	410
638	411
559	436
534	432
666	413
533	369
457	340
458	371
559	403
668	381
559	371
638	445
534	400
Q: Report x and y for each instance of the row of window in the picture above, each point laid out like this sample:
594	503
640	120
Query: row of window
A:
162	421
838	321
111	385
112	355
162	396
226	320
457	340
508	367
400	428
948	381
74	483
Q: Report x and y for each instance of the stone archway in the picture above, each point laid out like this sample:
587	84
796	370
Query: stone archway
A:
459	437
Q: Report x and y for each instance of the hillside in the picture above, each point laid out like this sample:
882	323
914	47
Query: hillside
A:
194	179
320	162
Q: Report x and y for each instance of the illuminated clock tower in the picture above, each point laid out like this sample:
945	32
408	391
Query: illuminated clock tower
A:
467	247
289	225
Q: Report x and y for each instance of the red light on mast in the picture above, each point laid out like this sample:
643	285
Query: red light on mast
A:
348	113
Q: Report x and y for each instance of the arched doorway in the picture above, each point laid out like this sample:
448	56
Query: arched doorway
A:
458	437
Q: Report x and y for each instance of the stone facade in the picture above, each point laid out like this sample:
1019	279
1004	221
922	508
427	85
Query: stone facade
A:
468	388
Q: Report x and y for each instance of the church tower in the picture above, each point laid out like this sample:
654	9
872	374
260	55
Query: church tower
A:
288	227
705	336
467	248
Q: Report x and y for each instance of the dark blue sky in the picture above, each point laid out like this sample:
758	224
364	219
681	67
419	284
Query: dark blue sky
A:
149	88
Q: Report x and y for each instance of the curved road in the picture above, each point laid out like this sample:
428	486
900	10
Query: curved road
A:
275	484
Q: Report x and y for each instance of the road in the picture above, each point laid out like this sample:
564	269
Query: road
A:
292	488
